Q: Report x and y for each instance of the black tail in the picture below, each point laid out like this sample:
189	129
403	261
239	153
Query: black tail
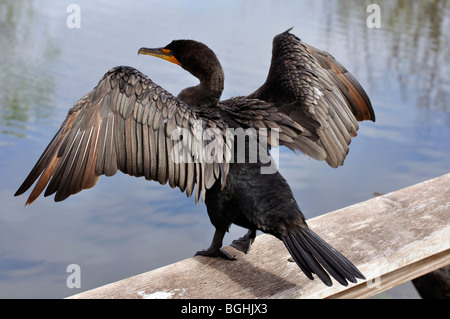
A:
312	254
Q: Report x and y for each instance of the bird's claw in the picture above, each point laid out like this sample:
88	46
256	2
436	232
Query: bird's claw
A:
215	253
243	244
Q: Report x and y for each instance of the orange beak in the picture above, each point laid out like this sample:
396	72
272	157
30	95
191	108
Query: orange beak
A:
161	53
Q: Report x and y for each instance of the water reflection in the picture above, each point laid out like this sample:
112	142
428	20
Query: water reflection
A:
413	40
45	68
26	55
421	50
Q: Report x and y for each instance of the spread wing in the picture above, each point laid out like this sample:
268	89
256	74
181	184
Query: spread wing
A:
296	134
129	123
306	82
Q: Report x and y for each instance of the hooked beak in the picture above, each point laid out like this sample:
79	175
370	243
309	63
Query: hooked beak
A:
161	53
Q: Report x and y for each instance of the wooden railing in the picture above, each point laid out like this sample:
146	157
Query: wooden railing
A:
392	239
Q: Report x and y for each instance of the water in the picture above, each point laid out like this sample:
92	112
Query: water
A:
125	226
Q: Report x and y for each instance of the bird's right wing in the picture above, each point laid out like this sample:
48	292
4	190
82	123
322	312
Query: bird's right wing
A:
304	81
129	123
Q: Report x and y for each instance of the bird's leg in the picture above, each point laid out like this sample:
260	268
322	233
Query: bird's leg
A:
243	244
214	250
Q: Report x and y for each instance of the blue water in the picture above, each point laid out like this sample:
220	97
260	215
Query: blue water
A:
125	226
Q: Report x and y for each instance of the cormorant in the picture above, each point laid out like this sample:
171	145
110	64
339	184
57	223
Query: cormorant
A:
309	103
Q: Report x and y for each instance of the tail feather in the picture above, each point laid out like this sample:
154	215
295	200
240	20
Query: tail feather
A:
344	262
314	256
299	257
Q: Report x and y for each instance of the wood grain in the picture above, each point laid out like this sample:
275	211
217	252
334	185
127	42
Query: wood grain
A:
392	239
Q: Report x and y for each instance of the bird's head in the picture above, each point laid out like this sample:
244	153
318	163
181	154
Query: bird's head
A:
201	62
193	56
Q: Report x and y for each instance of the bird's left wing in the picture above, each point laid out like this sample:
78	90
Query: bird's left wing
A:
127	123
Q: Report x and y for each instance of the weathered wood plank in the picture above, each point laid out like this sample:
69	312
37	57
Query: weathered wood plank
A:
395	278
392	239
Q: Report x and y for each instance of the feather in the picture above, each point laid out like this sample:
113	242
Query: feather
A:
152	142
120	143
162	158
139	151
146	151
110	167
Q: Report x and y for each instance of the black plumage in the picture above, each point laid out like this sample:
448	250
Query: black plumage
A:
129	123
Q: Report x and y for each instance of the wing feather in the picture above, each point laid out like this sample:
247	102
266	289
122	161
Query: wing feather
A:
125	123
317	93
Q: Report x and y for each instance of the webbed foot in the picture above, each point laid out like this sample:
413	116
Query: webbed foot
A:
214	250
243	244
215	253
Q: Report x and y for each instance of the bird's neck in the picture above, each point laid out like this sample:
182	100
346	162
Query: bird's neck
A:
207	93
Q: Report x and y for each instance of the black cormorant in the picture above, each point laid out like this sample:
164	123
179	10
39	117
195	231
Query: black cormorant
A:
309	103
